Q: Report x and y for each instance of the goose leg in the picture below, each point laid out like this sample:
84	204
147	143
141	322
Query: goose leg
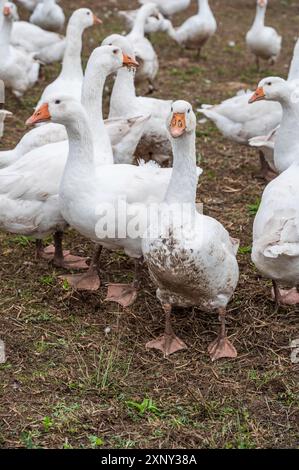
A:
222	347
125	294
284	296
168	343
257	61
89	280
266	172
60	258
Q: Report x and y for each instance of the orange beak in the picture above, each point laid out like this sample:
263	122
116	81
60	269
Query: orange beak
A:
42	114
97	20
178	125
6	11
258	95
129	61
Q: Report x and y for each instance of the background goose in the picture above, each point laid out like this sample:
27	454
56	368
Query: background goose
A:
155	140
152	24
18	70
48	15
169	7
195	31
70	78
182	248
263	41
144	51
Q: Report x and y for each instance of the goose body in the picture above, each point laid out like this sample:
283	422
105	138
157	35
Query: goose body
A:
263	41
169	7
48	15
152	24
155	139
18	70
275	249
70	78
143	49
190	256
196	30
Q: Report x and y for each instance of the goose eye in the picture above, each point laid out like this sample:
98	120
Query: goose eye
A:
115	51
269	83
57	102
88	13
188	111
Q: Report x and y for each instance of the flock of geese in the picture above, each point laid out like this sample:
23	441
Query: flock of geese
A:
73	165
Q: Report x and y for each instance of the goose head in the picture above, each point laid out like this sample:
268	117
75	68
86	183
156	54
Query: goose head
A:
110	58
10	11
124	44
262	3
150	9
84	18
271	89
59	108
181	120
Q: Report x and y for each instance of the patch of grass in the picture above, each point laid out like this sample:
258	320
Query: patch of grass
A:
95	441
253	208
147	406
244	250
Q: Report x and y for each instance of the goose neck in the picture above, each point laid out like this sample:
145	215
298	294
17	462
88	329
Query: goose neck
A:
71	64
183	183
5	32
259	16
140	20
123	93
92	96
81	149
203	6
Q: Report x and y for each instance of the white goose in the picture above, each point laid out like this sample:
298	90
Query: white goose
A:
191	257
195	31
169	7
86	190
48	15
70	79
286	146
29	187
152	25
47	46
275	250
155	140
263	41
144	51
18	70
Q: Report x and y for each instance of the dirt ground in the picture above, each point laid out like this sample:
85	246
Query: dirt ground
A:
77	371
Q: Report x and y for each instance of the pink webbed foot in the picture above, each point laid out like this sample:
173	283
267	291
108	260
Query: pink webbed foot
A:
88	281
123	294
287	297
168	344
220	348
68	261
